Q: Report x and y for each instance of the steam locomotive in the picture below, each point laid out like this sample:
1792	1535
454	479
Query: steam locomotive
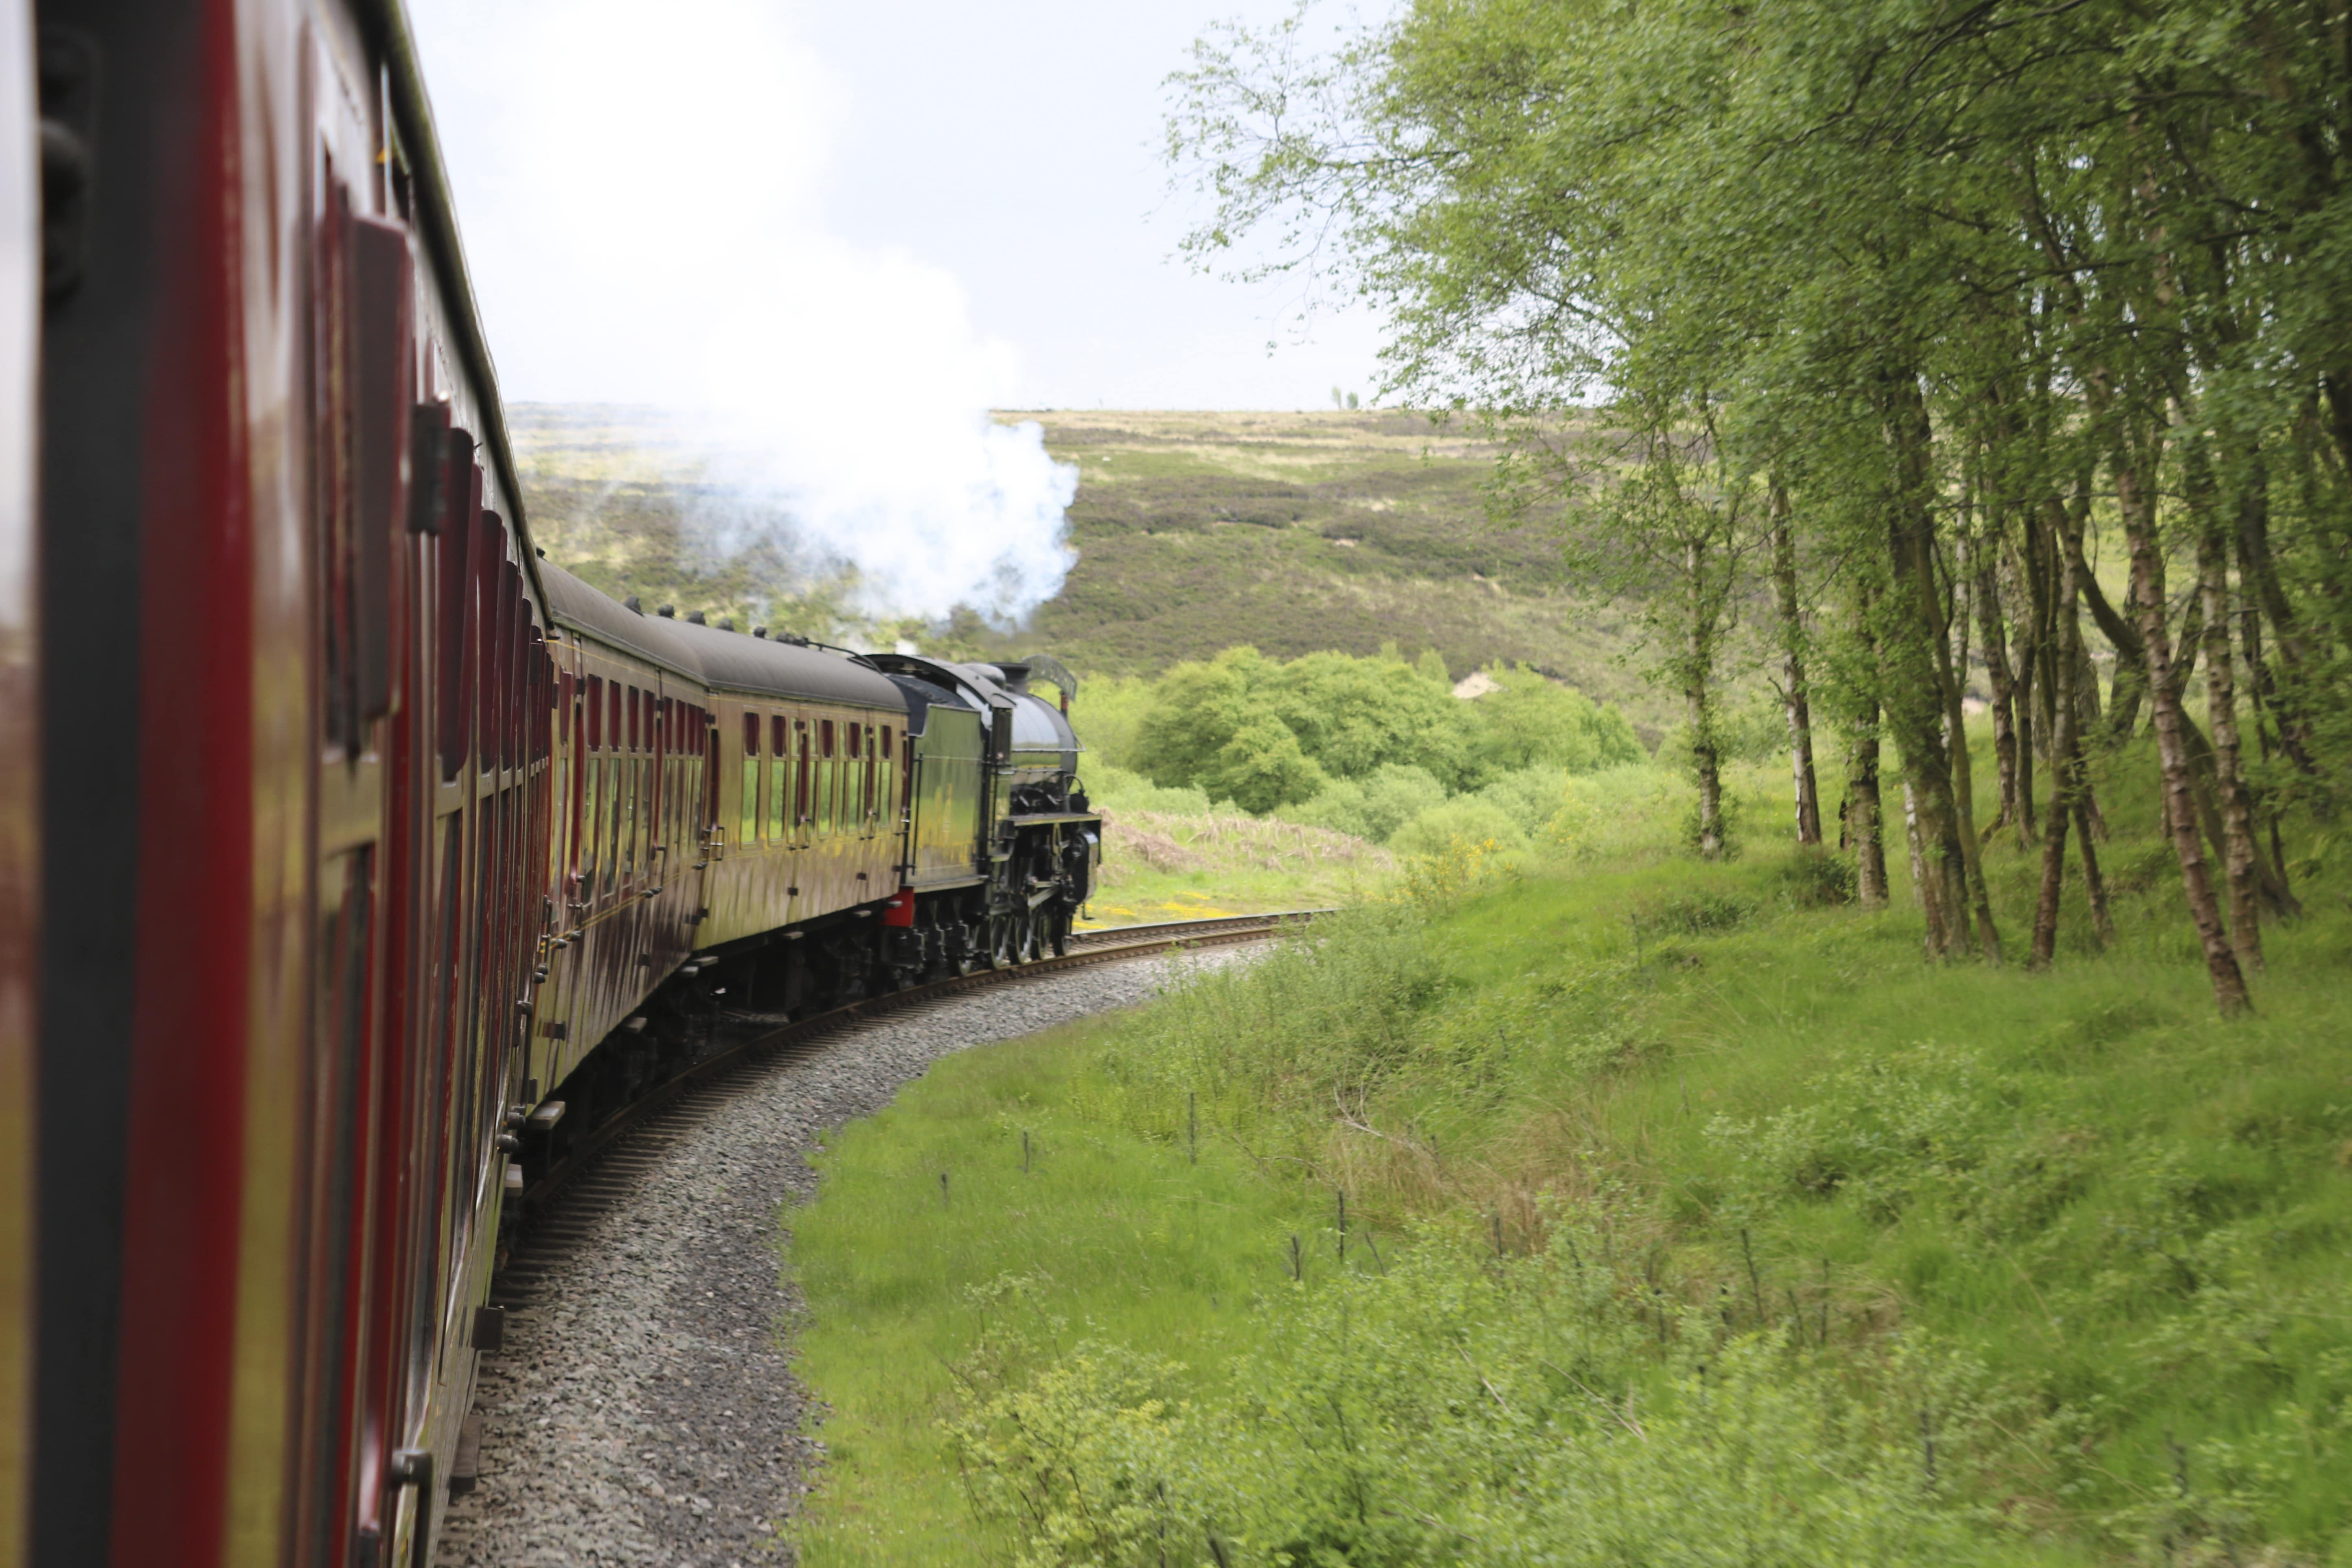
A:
349	850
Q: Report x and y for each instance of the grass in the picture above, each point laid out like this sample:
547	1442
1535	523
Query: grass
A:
1115	1235
2089	1238
1163	866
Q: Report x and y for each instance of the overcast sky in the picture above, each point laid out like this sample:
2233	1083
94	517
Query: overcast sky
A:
979	183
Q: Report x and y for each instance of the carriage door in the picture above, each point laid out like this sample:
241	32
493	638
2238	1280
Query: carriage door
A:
360	405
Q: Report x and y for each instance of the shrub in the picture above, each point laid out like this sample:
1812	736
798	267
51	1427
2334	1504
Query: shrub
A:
1468	820
1699	912
1474	1410
1333	1010
1814	878
1262	767
1532	721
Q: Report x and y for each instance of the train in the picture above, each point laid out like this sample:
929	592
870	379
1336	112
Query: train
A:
353	855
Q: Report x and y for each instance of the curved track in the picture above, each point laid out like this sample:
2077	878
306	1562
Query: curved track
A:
641	1410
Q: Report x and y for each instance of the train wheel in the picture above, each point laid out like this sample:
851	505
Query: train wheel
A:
1033	945
1059	923
1003	943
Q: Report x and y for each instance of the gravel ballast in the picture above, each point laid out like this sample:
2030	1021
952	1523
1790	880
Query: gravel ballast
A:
643	1409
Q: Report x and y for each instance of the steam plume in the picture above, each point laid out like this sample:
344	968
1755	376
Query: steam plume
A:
638	186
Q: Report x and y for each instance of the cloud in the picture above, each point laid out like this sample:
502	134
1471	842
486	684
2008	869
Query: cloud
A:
638	188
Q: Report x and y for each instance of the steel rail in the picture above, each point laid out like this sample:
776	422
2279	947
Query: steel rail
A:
1108	945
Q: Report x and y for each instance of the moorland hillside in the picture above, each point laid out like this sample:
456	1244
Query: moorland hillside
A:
1294	533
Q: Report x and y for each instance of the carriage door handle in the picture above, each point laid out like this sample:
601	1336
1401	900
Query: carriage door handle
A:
414	1467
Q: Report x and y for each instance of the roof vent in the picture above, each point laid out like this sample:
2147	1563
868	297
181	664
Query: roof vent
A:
726	624
695	620
793	637
540	551
758	631
631	605
666	612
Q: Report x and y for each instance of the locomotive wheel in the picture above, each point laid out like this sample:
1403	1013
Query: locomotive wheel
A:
1032	940
1059	924
1003	943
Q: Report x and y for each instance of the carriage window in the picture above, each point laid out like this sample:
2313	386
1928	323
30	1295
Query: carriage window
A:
854	732
613	717
751	808
825	737
873	771
886	743
800	775
779	822
595	711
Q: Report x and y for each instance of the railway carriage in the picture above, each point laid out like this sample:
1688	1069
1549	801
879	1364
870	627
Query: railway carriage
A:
352	856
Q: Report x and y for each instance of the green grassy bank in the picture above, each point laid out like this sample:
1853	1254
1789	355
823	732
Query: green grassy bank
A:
1690	1218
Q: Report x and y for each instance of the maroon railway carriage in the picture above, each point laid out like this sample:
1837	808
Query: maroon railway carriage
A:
293	766
337	830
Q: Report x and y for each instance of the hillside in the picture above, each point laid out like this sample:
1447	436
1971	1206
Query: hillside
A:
1594	1204
1296	533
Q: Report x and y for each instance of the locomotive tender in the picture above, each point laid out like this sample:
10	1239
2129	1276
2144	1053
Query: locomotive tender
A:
352	856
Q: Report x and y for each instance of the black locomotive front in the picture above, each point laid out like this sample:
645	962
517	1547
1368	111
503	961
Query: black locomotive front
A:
1001	848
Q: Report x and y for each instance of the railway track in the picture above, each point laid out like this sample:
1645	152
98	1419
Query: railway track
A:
640	1406
708	1080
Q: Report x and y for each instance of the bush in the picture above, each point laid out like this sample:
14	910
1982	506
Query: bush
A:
1816	879
1469	1409
1468	820
1700	912
1331	1011
1212	724
1115	789
1262	767
1532	721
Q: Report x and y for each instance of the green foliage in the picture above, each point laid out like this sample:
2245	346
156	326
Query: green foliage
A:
1353	715
1118	789
1107	717
1329	1016
1471	819
1394	794
1817	878
1462	1408
1372	742
1923	308
1599	1123
1534	723
1262	765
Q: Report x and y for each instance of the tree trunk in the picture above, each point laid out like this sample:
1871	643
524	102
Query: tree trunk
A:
1985	556
1922	698
2259	575
2239	852
1934	912
2030	585
1795	698
2263	719
1698	697
2102	920
2128	685
1866	813
2136	497
2065	783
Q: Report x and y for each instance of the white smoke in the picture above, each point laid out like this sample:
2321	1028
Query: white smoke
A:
638	186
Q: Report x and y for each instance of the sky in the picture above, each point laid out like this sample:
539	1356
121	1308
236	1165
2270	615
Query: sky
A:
989	174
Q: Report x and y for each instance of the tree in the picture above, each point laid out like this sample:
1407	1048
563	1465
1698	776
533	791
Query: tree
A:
1956	283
